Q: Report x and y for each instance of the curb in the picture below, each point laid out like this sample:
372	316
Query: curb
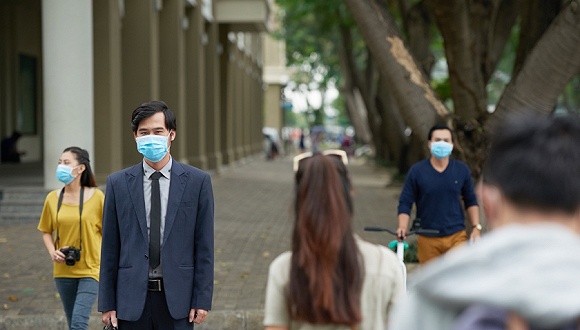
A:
217	320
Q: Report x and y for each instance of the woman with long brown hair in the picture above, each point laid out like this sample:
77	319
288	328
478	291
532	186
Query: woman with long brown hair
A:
331	279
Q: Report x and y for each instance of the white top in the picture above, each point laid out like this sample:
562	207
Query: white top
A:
382	285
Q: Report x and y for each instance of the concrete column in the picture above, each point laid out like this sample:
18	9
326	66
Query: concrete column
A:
8	65
111	124
227	99
195	88
140	65
172	77
239	104
247	121
252	109
212	83
67	43
257	112
259	99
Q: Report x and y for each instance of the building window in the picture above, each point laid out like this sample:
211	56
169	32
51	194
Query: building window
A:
26	112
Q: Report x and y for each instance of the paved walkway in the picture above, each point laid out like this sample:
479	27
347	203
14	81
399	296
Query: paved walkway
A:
252	226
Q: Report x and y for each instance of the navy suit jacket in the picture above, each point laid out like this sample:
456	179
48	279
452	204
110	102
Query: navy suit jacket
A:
188	243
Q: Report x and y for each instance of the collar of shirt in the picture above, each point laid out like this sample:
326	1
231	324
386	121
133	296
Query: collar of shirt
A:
166	170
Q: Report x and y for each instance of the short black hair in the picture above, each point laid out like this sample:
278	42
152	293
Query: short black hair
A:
148	109
436	128
535	161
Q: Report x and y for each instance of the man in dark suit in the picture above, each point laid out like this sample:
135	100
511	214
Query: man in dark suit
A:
157	253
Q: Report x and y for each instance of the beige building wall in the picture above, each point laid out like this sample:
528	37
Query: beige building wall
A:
20	35
111	122
275	78
204	58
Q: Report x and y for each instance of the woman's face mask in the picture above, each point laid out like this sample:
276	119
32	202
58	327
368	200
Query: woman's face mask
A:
153	147
441	149
64	174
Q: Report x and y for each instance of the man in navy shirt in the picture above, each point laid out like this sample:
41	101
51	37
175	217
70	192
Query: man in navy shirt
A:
437	186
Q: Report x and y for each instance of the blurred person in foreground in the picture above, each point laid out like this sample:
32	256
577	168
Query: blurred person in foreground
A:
524	273
71	231
331	279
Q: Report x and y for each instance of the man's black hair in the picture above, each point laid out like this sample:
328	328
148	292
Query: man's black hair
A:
535	161
436	128
148	109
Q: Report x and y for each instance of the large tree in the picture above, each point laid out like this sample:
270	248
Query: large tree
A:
387	79
550	64
474	34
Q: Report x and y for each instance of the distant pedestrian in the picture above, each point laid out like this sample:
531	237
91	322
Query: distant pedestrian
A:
331	279
441	188
71	231
9	148
301	144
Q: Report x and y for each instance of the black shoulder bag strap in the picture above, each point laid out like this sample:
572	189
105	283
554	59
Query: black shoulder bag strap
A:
81	202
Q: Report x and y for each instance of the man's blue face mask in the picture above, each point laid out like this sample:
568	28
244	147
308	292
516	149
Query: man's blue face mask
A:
441	149
153	147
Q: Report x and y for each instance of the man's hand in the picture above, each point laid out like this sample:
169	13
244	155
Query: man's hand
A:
401	233
109	317
475	235
403	223
197	315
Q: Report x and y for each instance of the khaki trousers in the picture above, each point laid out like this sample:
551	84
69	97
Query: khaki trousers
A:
432	247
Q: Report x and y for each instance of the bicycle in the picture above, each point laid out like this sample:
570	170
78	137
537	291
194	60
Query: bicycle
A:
401	244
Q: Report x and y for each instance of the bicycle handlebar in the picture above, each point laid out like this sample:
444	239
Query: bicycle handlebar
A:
411	232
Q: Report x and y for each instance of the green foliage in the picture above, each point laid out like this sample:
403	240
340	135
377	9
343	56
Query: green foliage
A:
294	119
570	98
342	118
442	88
312	35
311	30
503	72
410	254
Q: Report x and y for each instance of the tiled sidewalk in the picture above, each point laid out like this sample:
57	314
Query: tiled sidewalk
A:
252	226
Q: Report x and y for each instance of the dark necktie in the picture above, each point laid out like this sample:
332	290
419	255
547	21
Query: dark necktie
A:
155	222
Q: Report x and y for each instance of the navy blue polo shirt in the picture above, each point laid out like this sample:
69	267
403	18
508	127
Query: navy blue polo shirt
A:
438	196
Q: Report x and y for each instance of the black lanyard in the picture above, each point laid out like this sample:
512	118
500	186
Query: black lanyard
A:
81	201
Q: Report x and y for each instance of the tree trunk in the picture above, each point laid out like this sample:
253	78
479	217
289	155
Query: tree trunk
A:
394	128
546	70
462	51
537	16
474	34
358	115
417	102
417	25
502	21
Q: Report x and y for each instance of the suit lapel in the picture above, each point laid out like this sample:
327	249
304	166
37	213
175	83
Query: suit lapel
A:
176	188
135	184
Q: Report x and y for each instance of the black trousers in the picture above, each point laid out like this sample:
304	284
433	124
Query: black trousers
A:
156	316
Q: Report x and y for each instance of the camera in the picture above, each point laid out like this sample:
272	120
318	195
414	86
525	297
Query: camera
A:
71	255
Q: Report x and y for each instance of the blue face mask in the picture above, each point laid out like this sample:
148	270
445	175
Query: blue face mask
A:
64	174
153	147
441	149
